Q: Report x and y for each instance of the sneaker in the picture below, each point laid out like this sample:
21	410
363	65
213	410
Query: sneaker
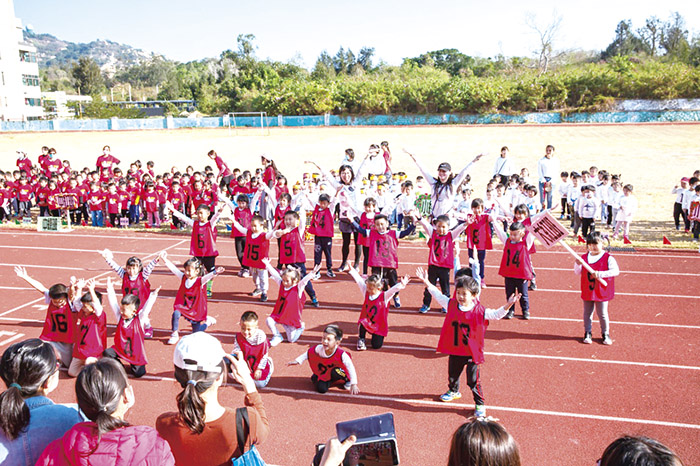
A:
450	396
587	338
479	410
533	285
174	337
256	292
263	297
245	273
423	309
276	340
397	302
343	268
606	339
443	310
361	345
148	332
509	315
314	302
347	385
209	293
483	285
330	273
210	321
526	315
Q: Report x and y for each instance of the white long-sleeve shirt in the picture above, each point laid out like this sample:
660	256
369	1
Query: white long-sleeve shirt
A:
146	272
627	209
143	313
588	207
347	361
363	287
489	314
504	166
613	268
548	168
442	203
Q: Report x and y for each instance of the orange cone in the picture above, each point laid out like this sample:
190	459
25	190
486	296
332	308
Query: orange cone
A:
173	227
667	241
146	225
581	240
626	240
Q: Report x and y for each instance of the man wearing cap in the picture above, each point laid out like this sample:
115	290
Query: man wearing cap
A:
547	172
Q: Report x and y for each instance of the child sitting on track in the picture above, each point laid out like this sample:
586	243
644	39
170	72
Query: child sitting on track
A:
593	293
330	364
462	334
375	308
190	301
290	302
252	342
130	334
516	267
134	281
59	325
90	338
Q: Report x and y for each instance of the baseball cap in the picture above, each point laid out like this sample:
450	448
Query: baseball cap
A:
685	178
199	351
445	166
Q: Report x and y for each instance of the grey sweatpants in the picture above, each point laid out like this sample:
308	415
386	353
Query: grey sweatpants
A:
601	307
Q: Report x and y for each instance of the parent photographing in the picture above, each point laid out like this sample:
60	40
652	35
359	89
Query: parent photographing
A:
547	172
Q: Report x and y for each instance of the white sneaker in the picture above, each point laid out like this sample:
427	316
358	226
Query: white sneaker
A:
276	340
210	321
174	337
245	273
607	340
256	292
347	385
361	345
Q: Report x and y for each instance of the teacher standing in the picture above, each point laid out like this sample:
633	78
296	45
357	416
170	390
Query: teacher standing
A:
547	171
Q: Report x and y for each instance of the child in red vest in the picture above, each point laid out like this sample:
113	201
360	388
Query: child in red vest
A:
375	308
516	267
462	334
252	342
322	228
291	243
134	281
290	302
479	235
90	338
129	345
257	249
243	214
191	300
595	296
150	202
441	257
330	364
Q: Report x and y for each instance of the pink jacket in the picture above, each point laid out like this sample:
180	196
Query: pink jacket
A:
126	446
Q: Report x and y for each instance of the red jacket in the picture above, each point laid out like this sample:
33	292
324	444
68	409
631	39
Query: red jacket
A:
126	446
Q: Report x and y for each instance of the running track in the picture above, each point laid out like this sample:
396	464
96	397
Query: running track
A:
563	401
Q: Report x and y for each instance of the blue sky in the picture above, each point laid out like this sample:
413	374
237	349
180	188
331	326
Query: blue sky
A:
301	30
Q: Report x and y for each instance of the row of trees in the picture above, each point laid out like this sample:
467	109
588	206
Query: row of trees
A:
656	61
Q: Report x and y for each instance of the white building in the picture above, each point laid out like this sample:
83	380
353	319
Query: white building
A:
20	94
56	104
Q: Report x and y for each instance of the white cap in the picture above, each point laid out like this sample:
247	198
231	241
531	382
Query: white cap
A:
199	351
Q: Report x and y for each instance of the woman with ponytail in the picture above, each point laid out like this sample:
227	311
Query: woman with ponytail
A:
104	396
203	432
30	420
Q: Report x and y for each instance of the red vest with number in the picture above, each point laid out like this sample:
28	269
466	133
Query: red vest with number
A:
382	249
516	261
321	223
441	250
479	234
527	222
279	216
59	325
323	367
254	354
128	342
288	307
592	289
244	217
368	224
463	333
374	315
256	249
90	336
203	242
292	248
139	287
191	302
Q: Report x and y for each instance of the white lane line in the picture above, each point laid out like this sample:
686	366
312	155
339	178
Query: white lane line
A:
13	336
80	235
20	307
44	266
451	406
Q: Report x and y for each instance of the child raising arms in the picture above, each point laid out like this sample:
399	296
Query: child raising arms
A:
330	364
516	266
375	308
90	338
290	302
462	335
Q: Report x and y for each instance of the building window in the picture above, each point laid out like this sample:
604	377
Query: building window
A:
30	80
28	57
32	102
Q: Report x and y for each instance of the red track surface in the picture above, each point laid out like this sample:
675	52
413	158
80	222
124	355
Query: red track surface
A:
563	401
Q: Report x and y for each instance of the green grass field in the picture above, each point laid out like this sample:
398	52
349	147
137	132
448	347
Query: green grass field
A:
652	157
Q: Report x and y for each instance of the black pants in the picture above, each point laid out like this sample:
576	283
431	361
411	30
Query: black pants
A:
208	263
24	208
610	215
365	258
565	209
114	220
481	256
377	340
455	366
679	213
521	285
136	371
337	375
587	226
436	273
389	275
346	248
309	287
322	245
4	215
696	229
76	216
239	242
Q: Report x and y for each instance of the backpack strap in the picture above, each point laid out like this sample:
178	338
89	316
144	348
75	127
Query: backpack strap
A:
242	427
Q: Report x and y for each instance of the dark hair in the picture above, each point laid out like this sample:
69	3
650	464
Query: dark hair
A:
190	404
193	262
58	291
549	145
375	279
521	209
324	198
290	269
131	300
28	364
293	213
350	153
628	187
477	202
504	148
407	184
516	226
482	442
98	388
87	298
133	260
352	174
381	217
248	316
257	218
242	198
370	201
638	451
442	219
334	330
469	283
463	272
